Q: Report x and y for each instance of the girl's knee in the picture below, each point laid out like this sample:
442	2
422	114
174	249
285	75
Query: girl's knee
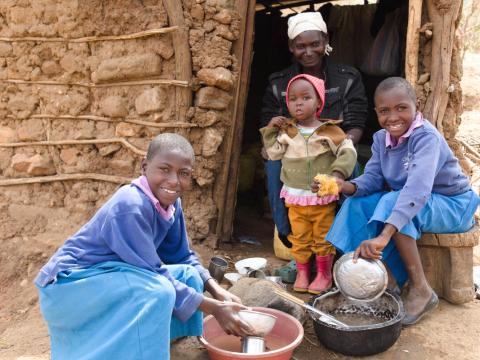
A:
164	291
193	278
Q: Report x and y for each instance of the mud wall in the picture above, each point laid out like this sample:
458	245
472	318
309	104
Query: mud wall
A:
72	111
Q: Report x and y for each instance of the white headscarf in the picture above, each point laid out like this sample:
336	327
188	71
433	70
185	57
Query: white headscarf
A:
307	21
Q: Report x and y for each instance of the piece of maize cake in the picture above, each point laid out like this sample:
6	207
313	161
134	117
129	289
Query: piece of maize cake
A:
327	185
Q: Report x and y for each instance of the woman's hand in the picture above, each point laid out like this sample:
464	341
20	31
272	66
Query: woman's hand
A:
371	249
277	121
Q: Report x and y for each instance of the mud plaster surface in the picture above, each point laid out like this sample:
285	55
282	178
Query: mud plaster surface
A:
213	25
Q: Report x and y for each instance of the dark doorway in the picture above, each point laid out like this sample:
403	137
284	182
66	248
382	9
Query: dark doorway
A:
352	29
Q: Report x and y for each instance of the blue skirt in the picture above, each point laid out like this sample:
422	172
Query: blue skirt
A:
363	218
114	310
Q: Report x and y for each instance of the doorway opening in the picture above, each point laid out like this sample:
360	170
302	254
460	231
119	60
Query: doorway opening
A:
353	26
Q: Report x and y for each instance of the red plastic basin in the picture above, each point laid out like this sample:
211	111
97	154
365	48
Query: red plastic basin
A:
286	335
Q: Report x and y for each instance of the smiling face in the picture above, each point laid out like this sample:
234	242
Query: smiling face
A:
308	48
395	110
169	174
303	102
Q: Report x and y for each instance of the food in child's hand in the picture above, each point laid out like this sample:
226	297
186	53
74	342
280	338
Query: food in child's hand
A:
327	185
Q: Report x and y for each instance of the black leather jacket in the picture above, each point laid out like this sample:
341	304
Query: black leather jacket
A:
344	96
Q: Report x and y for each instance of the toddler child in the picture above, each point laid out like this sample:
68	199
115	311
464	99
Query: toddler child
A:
411	184
308	145
127	283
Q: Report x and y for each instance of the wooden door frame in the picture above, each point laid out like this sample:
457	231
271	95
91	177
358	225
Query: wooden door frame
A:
226	189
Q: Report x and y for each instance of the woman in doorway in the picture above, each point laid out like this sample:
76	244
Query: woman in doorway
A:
344	97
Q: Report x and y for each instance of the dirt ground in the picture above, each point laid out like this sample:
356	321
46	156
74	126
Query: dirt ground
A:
451	331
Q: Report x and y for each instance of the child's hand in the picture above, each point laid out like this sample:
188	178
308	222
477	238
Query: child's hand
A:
371	249
277	121
326	185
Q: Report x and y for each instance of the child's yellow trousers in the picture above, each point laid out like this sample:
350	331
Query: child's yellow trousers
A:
310	225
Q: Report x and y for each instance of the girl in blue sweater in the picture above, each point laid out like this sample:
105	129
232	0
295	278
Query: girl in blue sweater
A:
127	283
411	184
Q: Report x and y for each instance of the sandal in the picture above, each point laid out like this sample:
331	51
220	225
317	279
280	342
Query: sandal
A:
288	273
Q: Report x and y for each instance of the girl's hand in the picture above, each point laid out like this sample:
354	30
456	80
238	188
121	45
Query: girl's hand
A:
371	249
227	316
277	121
220	293
225	295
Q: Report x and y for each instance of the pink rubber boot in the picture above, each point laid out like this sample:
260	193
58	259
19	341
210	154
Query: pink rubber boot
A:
303	277
323	280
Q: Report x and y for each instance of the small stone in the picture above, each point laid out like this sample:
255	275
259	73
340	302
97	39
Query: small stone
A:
51	67
149	101
197	12
211	141
20	163
224	16
7	135
5	49
31	130
219	77
114	106
128	67
22	106
164	49
209	25
224	32
86	131
122	166
212	98
69	156
41	165
126	130
206	118
109	149
72	63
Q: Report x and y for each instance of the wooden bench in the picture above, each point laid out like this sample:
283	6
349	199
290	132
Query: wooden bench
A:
448	263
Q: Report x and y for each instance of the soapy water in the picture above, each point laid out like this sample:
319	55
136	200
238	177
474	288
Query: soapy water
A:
361	315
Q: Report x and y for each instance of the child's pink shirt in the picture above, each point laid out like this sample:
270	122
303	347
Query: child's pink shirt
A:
392	142
142	183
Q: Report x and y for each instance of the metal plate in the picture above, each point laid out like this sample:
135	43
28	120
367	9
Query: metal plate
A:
364	280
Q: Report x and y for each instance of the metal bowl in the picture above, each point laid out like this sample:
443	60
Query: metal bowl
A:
364	280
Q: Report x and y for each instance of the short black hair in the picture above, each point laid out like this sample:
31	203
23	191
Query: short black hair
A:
170	142
396	82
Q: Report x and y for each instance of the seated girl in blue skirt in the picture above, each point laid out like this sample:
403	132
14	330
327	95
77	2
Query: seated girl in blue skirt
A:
411	184
127	283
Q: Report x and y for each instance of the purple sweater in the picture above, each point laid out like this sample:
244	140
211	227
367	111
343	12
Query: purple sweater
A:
421	165
128	228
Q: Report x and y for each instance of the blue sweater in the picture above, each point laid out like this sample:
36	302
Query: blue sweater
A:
421	165
128	228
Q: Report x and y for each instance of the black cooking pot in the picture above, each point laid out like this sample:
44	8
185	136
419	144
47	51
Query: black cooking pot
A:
359	340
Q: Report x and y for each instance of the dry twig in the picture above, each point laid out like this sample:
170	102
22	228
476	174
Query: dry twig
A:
136	35
64	177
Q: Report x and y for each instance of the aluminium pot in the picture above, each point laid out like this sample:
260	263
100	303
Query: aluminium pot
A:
359	340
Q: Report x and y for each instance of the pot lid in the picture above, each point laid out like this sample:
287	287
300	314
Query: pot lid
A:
364	280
